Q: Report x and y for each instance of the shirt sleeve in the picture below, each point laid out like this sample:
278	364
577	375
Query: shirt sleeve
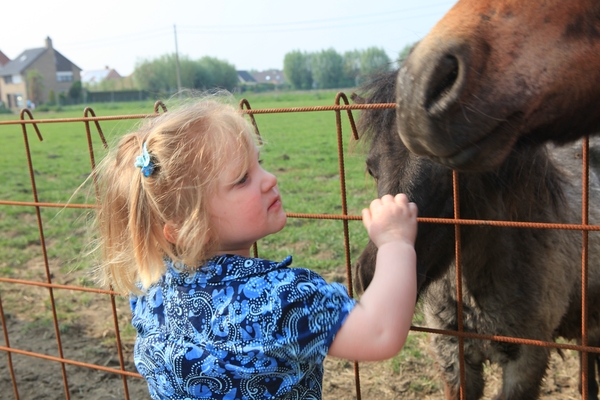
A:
313	311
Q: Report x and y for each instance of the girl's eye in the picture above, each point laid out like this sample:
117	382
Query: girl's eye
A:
243	180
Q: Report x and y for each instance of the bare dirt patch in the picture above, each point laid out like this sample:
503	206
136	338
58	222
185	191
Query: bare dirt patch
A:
87	334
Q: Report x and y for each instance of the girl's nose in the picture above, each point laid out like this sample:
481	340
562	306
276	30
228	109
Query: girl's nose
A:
269	181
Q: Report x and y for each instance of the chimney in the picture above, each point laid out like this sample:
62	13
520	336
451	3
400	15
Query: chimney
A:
48	42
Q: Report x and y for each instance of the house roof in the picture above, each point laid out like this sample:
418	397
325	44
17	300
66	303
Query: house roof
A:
24	60
245	76
270	76
96	76
63	64
3	59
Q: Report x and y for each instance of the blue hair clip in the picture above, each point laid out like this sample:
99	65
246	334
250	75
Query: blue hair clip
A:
144	162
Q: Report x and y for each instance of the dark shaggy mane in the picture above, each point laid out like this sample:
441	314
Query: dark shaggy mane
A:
381	88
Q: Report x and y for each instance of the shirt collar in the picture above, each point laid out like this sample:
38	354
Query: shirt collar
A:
226	267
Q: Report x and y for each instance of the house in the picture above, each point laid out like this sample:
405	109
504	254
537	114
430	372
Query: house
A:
94	77
273	76
56	71
246	77
3	61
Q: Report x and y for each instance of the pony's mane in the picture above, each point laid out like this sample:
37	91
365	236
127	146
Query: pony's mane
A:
380	88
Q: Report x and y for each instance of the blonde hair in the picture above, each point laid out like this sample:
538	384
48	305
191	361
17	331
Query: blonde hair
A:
190	147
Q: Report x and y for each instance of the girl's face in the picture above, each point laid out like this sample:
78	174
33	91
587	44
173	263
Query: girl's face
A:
247	210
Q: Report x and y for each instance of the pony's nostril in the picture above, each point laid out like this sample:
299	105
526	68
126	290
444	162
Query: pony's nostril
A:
441	82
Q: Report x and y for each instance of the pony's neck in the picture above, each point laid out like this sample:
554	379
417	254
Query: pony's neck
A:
527	187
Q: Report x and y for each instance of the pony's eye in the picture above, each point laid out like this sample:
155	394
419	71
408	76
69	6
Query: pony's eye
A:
372	173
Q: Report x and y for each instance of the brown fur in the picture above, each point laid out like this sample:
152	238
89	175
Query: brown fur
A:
517	282
497	74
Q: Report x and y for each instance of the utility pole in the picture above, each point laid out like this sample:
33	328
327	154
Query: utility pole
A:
177	63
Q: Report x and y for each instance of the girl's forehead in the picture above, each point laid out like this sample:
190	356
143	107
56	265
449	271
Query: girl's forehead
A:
236	162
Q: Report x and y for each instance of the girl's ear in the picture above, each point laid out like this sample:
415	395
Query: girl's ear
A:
170	232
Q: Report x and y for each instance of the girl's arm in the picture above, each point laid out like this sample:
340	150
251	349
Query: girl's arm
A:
378	325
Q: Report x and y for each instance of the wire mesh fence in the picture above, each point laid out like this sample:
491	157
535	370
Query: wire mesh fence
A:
62	332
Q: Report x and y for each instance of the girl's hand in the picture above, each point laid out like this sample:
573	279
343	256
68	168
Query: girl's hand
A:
378	325
391	219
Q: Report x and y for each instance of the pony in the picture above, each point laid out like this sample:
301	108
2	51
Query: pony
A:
493	75
517	282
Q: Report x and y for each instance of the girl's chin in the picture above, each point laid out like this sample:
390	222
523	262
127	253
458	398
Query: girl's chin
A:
282	225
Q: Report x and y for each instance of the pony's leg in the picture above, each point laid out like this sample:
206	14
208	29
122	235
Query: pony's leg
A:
522	377
596	357
592	386
445	352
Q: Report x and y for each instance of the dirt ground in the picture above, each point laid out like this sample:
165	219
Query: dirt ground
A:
413	378
411	375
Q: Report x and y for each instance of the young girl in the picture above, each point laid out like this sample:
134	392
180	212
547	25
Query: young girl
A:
183	199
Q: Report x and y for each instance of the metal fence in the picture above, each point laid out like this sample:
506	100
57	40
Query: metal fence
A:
104	365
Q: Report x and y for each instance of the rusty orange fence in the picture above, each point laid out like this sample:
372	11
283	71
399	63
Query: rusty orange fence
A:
112	370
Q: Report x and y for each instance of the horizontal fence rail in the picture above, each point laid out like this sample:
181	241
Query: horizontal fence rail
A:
91	126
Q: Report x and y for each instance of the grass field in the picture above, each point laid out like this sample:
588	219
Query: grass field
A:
300	149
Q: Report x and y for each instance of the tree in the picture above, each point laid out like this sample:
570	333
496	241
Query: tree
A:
35	86
327	69
351	67
405	52
297	69
222	74
160	75
51	98
374	60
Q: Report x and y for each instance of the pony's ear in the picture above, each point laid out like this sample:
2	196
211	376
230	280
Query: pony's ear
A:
357	99
170	232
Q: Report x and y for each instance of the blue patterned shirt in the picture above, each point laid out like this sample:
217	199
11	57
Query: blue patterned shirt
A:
238	328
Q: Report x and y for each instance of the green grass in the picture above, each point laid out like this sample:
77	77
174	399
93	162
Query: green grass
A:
300	149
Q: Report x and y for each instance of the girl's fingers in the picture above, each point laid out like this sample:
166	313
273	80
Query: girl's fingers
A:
401	198
366	217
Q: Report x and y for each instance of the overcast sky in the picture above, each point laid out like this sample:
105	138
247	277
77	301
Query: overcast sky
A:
250	34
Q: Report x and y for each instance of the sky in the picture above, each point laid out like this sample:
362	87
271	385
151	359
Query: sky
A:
250	34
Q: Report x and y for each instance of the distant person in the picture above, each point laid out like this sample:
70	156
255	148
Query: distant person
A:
183	198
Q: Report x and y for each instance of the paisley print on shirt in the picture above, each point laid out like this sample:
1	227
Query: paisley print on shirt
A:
237	328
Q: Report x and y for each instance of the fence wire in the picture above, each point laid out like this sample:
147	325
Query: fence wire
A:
124	369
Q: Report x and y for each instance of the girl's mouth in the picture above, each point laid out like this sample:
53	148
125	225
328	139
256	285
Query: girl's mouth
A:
276	203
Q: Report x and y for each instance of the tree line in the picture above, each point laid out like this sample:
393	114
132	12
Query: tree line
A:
325	69
160	75
328	69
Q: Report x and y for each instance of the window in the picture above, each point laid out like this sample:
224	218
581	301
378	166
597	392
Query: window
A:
16	79
64	76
